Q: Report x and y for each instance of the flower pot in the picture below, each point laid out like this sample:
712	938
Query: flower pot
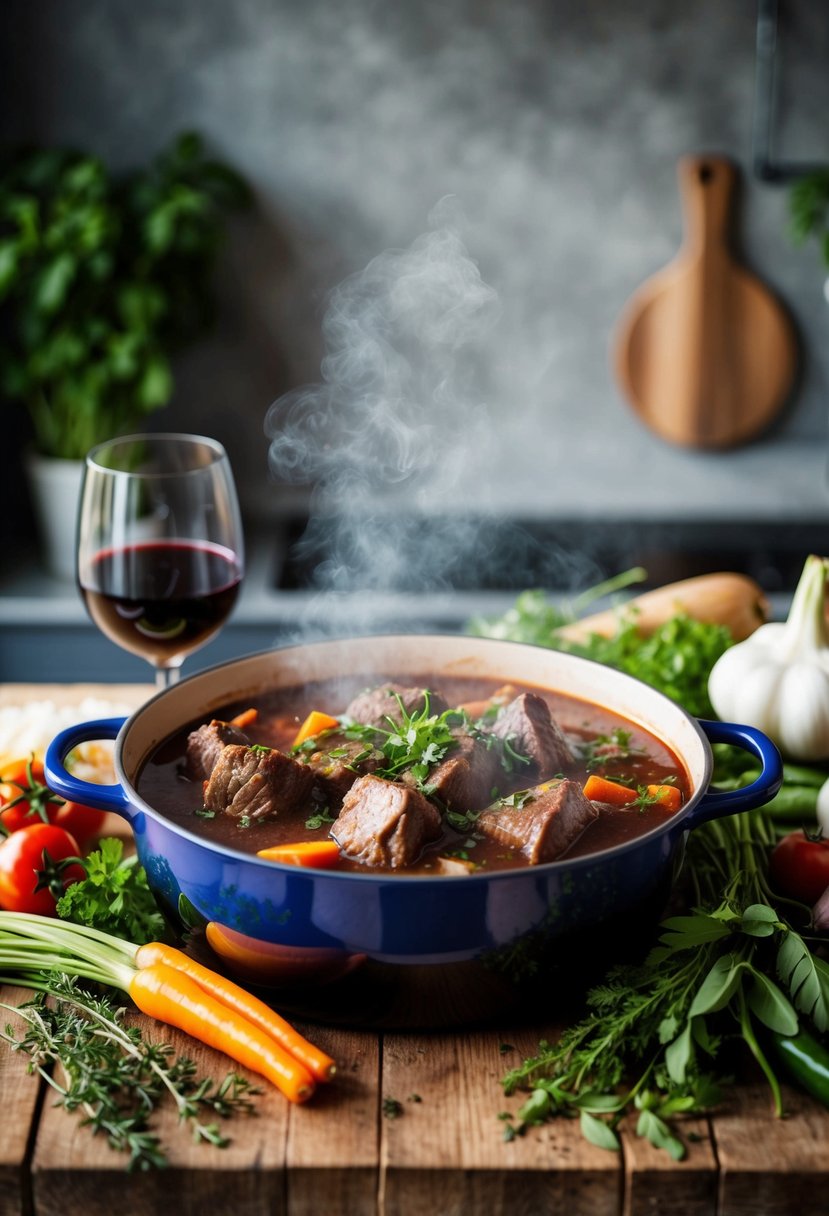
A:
55	487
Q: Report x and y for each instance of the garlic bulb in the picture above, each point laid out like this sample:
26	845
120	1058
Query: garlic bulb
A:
778	678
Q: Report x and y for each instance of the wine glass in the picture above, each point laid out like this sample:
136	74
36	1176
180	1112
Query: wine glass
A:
160	547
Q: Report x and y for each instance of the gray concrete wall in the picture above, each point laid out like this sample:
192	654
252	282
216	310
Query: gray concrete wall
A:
553	125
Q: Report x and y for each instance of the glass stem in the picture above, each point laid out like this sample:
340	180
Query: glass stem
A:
165	677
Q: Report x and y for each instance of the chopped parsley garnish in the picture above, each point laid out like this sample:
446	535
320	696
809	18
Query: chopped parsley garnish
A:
415	744
518	799
609	749
204	813
260	747
316	821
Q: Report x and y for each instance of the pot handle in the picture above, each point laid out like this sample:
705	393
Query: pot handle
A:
61	782
717	803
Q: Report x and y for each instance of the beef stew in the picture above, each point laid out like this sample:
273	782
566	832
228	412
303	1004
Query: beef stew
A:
447	777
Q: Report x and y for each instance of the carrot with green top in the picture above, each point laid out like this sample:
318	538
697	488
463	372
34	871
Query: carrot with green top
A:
599	789
167	985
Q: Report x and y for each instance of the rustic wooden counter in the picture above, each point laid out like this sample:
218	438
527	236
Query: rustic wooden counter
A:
341	1155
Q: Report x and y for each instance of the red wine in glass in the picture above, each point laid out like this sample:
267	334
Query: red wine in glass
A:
162	600
160	546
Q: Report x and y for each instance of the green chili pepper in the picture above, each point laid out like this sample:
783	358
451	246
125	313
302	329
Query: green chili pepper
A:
806	1060
797	803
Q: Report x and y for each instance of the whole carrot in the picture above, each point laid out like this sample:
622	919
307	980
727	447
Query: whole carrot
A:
163	985
171	996
321	1066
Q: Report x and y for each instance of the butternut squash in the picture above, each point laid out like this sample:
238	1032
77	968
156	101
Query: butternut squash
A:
733	600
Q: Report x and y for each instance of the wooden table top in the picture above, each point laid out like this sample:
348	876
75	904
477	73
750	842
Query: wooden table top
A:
444	1154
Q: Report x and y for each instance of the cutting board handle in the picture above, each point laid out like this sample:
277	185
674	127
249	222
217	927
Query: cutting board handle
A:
706	187
705	352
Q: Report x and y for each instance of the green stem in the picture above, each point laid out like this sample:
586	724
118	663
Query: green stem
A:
751	1039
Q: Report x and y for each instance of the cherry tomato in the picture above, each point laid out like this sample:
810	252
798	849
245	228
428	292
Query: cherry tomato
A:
35	869
799	867
82	822
26	799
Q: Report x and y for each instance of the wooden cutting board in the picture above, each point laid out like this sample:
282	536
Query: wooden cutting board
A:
704	352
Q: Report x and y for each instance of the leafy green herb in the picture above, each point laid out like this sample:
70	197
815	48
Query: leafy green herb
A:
602	750
649	1027
809	210
102	278
316	821
114	897
414	745
676	658
115	1077
261	748
203	812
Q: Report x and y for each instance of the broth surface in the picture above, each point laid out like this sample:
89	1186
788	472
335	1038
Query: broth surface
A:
164	784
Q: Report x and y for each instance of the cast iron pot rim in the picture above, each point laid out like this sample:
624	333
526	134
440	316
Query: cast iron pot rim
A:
669	826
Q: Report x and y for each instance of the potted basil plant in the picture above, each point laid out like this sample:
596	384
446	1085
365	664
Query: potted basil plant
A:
103	278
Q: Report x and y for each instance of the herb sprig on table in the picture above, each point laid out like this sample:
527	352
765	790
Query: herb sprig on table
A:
114	1076
655	1036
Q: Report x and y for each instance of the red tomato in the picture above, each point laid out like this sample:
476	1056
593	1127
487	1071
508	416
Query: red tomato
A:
33	858
24	798
799	867
82	822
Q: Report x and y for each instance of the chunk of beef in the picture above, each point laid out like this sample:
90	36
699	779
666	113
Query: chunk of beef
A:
527	725
385	823
338	764
550	821
205	744
465	779
257	784
375	706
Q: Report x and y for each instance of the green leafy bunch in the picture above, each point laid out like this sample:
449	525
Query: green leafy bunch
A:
114	897
102	278
676	658
809	210
653	1040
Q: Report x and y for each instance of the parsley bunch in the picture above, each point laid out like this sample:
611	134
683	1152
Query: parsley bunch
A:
115	896
676	658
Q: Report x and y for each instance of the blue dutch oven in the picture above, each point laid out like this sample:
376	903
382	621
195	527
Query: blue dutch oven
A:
498	920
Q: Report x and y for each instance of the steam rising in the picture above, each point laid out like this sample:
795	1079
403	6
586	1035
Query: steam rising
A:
399	414
398	408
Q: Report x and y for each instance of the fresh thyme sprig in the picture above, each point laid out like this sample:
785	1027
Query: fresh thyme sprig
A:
113	1075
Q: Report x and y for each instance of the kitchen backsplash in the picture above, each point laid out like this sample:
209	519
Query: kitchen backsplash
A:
489	183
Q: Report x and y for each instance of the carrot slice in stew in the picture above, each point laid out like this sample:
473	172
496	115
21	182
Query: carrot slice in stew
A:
599	789
320	853
314	724
245	718
668	795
